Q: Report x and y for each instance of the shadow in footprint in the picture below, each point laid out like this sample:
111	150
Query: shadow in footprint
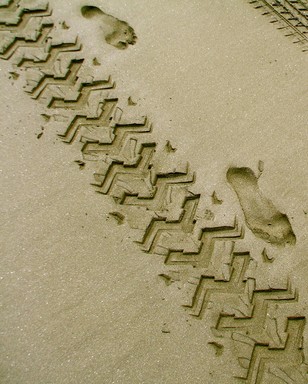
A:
262	217
116	32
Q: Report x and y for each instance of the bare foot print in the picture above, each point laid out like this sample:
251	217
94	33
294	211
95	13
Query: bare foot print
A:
116	32
262	217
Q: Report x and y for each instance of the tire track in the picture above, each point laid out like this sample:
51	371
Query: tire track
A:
290	15
156	194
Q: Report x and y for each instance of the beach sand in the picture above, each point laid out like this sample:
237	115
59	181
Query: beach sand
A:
82	301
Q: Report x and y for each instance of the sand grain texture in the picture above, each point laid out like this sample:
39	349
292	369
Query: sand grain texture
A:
169	277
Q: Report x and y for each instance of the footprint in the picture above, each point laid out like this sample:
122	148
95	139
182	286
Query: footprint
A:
116	32
262	217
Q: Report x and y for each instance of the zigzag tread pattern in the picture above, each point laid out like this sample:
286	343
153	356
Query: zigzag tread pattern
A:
205	253
290	16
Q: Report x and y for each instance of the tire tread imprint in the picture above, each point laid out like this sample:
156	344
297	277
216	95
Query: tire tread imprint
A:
219	280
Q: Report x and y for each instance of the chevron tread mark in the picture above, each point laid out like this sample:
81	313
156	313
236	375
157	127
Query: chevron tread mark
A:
11	42
14	13
118	180
276	364
161	235
85	129
209	240
170	192
45	58
290	15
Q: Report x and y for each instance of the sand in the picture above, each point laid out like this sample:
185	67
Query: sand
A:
82	300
